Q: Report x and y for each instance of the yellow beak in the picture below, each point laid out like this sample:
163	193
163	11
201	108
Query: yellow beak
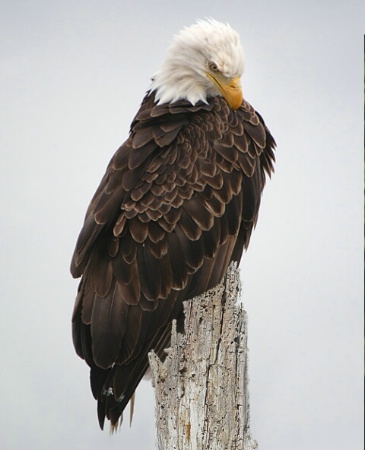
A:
230	88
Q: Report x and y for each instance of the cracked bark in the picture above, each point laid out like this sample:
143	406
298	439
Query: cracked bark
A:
201	388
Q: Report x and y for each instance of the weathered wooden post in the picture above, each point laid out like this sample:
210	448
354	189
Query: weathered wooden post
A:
201	388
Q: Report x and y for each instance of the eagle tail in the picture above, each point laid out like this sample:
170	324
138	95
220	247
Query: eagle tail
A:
107	385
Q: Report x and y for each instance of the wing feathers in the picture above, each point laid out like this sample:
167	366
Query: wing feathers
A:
178	201
108	326
202	217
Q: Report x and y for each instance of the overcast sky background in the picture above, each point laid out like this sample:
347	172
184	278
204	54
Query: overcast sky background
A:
73	74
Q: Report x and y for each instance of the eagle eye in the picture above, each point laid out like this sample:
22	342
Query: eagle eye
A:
213	66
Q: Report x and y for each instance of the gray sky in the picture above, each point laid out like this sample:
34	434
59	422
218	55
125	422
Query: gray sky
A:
73	74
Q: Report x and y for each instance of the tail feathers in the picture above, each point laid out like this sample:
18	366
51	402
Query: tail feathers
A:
111	406
115	387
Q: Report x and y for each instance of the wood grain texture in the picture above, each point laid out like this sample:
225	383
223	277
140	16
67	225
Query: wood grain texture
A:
201	389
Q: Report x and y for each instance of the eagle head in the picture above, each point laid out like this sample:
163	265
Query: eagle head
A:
204	60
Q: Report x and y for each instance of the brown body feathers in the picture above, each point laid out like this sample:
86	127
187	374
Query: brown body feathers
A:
176	205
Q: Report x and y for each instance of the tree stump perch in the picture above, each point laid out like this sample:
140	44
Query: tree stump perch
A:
201	388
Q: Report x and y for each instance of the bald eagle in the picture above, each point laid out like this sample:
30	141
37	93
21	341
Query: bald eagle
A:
176	205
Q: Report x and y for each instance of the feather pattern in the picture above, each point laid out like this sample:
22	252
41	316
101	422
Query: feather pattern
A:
178	202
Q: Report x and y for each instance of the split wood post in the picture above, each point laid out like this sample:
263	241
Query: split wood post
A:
201	389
